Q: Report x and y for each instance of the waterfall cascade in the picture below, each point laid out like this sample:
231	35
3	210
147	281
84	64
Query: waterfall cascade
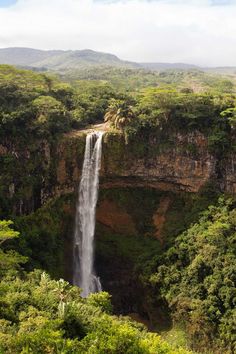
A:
83	268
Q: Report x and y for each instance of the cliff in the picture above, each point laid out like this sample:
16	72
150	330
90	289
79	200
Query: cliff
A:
33	174
151	189
181	163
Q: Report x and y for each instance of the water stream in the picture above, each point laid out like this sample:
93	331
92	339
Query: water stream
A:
84	274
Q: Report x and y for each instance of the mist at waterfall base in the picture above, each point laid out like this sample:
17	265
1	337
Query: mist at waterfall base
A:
84	274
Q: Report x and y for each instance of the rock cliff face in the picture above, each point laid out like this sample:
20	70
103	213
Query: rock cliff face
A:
182	164
31	175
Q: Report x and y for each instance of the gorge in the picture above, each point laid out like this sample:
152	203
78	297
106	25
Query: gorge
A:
164	230
150	191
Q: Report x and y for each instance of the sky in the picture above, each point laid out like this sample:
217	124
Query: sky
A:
201	32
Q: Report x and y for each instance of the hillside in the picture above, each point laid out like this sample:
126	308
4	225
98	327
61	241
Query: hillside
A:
123	78
59	59
64	59
167	66
73	59
75	66
25	56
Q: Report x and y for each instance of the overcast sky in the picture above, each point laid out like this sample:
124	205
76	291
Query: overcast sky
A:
200	32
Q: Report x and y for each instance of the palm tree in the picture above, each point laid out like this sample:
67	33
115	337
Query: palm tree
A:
120	114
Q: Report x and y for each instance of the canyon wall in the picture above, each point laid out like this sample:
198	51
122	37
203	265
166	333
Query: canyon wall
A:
182	163
33	174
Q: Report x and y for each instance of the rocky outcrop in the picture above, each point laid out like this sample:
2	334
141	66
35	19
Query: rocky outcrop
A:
229	174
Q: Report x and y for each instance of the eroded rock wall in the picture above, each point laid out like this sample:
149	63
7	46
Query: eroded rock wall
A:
34	173
180	163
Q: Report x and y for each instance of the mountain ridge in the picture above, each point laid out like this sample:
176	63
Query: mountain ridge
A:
59	59
62	60
68	59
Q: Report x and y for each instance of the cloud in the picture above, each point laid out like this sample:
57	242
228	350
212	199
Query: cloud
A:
201	32
223	2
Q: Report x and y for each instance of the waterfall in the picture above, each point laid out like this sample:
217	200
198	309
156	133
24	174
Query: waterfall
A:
83	269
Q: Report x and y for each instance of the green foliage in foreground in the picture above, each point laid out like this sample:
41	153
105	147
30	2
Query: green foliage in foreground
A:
197	278
40	315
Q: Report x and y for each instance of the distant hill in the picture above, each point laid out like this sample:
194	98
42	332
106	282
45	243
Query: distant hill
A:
25	56
167	66
61	60
225	70
73	65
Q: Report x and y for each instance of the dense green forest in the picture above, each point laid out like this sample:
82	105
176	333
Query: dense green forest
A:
192	276
131	79
41	104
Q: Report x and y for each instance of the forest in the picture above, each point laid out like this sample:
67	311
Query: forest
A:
190	276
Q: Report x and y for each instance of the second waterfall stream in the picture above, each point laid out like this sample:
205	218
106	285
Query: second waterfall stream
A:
84	274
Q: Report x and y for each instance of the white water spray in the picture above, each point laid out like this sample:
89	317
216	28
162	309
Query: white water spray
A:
83	269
